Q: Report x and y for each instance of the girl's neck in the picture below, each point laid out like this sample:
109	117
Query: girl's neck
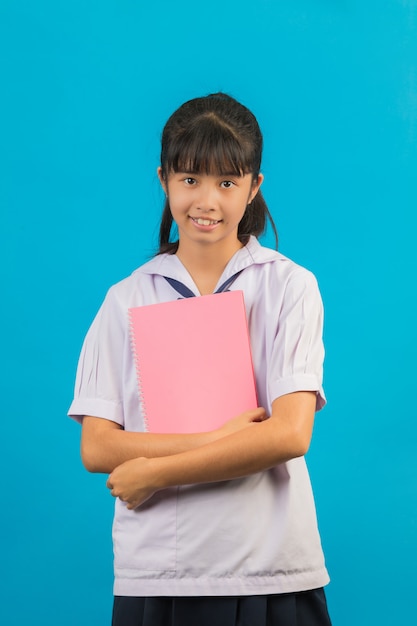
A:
206	264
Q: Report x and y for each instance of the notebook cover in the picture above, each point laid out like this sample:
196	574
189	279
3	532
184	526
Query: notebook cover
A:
193	362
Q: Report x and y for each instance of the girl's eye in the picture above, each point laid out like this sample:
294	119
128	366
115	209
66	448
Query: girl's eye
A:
226	184
189	180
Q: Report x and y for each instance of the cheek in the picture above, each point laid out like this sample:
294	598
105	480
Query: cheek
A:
178	209
173	202
177	200
241	210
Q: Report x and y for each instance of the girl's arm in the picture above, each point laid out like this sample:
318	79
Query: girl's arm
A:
105	445
285	435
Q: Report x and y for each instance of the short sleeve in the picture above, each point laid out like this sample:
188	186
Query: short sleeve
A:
298	351
98	385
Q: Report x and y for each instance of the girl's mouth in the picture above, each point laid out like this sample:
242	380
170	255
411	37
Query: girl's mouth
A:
204	222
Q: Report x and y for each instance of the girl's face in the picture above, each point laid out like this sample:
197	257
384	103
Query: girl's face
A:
208	208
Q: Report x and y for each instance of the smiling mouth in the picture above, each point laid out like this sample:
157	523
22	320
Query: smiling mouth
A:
203	222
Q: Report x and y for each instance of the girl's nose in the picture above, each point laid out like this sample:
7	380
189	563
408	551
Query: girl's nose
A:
207	199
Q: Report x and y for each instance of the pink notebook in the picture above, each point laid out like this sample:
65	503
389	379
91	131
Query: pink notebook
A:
193	362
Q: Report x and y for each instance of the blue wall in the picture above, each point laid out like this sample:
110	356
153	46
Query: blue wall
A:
85	90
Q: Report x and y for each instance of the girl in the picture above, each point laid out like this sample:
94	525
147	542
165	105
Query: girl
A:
214	528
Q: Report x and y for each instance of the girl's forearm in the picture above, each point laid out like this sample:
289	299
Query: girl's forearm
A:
254	449
284	436
105	445
104	450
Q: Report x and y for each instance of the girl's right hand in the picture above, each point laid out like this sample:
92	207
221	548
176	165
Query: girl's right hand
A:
242	421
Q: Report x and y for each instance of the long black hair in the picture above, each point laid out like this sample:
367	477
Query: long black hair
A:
213	135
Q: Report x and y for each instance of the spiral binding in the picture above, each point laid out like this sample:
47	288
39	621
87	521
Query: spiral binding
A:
138	374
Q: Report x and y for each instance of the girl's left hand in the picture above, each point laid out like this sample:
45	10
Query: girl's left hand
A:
131	482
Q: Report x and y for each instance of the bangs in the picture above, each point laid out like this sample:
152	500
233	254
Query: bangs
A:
209	147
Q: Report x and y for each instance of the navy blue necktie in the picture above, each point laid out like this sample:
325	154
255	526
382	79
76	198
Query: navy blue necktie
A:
185	292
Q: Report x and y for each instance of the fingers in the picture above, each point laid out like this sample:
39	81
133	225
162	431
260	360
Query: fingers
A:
116	493
111	488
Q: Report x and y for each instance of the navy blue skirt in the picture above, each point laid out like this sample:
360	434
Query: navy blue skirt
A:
305	608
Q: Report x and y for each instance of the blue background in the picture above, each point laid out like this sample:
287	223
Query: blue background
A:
85	90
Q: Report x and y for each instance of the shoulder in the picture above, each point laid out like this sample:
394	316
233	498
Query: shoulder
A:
143	286
278	273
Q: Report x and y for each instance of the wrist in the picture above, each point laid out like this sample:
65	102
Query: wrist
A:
158	472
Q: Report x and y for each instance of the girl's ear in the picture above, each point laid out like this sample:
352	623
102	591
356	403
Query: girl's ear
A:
161	179
255	187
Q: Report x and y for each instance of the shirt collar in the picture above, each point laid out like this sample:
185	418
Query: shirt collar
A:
170	265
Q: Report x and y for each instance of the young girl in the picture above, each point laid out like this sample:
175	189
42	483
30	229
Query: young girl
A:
214	528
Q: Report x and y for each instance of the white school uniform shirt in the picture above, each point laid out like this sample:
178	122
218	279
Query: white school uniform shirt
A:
248	536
